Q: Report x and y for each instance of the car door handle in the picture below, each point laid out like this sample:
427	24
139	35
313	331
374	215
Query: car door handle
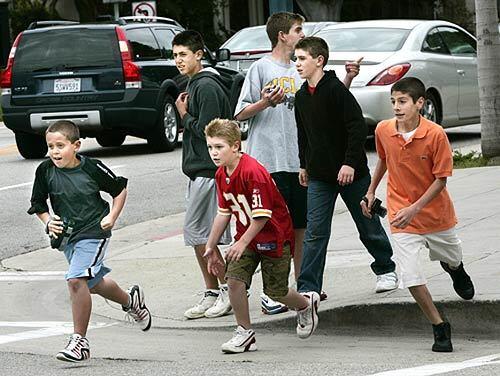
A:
461	72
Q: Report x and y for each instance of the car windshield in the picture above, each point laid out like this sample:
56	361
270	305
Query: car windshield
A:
49	50
370	39
250	39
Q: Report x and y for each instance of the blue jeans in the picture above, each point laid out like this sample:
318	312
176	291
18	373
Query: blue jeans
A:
321	198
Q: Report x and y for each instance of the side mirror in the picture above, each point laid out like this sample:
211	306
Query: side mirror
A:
222	54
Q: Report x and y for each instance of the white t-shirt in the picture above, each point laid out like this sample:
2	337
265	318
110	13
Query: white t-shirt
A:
272	134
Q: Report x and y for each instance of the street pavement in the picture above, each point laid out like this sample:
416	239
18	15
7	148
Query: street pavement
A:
153	255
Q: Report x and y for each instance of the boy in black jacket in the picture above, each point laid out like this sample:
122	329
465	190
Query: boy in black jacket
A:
332	135
204	101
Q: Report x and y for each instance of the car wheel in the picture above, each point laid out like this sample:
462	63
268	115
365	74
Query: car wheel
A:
111	139
244	129
166	133
31	146
431	109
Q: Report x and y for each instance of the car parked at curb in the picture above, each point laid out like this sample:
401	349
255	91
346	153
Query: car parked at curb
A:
111	79
441	54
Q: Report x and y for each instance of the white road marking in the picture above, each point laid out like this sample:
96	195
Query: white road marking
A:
30	183
47	329
32	276
434	369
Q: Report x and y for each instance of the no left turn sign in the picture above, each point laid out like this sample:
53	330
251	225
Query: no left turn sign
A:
144	8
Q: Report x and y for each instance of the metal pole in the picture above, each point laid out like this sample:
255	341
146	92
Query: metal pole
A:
116	7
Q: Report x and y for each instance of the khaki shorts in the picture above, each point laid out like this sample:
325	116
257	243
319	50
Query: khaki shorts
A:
442	246
275	271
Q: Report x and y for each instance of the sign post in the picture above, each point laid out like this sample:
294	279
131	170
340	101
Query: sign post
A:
116	6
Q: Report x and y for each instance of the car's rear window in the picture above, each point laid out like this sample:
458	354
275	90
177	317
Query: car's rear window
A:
250	39
365	39
67	49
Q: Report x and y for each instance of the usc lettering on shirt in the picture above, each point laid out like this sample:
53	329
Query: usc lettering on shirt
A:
250	193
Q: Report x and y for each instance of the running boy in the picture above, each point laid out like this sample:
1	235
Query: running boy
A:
204	101
331	136
73	182
417	156
267	100
264	234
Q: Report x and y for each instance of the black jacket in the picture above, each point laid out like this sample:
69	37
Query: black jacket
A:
331	130
208	99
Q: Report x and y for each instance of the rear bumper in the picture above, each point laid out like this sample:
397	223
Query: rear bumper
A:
132	117
375	102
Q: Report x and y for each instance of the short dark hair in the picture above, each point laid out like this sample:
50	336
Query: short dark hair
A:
190	39
315	47
411	86
66	128
281	21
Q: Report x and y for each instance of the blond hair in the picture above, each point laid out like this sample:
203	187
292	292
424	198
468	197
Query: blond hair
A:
67	128
228	130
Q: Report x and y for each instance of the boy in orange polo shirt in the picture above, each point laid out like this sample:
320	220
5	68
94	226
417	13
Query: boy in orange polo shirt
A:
417	155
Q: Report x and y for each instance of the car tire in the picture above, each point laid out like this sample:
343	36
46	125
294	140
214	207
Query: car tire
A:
31	146
165	135
431	109
108	139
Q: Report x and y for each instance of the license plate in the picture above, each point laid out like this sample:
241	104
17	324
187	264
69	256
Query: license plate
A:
67	85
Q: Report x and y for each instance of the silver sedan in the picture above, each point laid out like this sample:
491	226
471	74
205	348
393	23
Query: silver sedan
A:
441	54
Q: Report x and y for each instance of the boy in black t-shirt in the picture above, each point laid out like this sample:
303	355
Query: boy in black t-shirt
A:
83	221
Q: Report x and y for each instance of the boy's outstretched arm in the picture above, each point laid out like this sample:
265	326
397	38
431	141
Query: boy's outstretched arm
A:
214	259
377	176
236	250
404	216
108	221
352	70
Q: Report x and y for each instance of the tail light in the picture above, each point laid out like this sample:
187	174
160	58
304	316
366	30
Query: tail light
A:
6	74
131	72
390	75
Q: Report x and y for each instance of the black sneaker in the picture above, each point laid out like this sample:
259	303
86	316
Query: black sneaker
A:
461	281
442	337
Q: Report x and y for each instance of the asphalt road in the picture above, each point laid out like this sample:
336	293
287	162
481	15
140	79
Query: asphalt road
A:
156	185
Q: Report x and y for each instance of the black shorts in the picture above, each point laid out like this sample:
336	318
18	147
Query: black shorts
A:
295	196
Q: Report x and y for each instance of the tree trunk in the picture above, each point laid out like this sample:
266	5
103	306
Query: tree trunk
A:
488	61
321	10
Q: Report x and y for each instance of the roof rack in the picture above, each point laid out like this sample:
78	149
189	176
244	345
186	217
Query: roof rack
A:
146	19
41	24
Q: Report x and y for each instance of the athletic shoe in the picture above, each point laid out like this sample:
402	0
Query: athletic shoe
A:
386	282
138	312
243	340
442	337
77	350
461	281
222	305
207	301
270	306
323	296
307	318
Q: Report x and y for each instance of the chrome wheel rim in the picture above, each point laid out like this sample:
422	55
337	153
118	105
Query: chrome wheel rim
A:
429	110
170	122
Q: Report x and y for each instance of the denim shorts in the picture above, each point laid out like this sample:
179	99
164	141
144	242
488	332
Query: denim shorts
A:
86	260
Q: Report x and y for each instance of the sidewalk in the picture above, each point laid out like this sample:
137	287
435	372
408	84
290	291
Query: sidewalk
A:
153	254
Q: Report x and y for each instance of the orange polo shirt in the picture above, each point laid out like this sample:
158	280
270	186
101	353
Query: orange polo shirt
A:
413	166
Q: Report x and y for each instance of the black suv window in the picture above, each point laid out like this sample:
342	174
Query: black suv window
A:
458	42
144	45
165	37
434	43
48	49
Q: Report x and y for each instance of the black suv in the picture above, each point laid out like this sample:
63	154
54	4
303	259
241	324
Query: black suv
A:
112	80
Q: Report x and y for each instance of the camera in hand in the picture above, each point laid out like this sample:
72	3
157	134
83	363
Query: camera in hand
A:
377	207
63	237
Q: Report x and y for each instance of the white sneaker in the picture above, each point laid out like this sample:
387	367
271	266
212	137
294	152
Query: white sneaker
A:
222	305
307	319
138	312
243	340
386	282
207	301
77	350
270	306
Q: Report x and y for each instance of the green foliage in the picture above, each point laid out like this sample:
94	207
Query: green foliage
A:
25	12
472	159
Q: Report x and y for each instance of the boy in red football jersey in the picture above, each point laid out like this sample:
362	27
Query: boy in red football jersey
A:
264	234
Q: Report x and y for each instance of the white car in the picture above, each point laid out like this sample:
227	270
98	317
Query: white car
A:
441	54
